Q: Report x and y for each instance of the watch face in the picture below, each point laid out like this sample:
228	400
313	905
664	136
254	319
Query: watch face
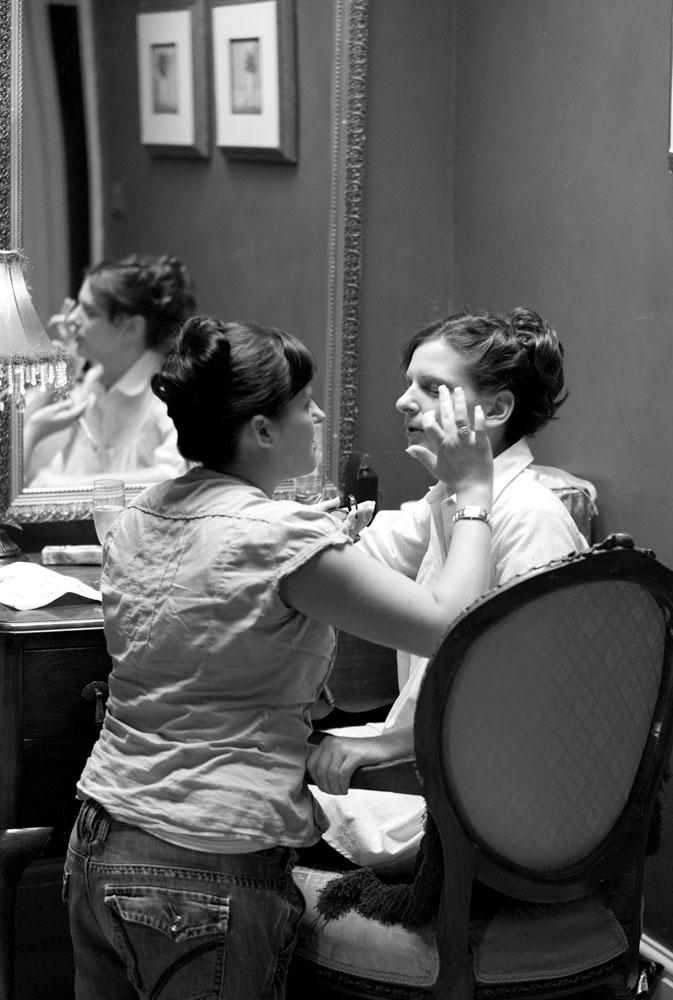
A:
472	514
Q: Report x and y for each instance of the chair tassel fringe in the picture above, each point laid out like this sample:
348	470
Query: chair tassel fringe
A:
411	904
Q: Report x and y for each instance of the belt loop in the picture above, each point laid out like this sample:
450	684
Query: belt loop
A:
93	821
83	818
103	821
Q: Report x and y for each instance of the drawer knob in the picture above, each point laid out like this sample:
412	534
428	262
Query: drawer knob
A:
97	690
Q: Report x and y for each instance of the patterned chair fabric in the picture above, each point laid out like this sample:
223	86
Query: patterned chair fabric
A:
554	779
543	729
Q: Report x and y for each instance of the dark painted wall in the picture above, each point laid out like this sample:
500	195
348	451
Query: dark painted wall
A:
566	203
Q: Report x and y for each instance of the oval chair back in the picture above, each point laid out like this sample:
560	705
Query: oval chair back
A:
543	730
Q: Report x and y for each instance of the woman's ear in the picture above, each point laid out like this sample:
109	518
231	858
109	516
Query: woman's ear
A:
134	328
499	408
263	430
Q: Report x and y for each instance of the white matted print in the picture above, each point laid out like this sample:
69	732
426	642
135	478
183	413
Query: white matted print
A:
253	67
171	119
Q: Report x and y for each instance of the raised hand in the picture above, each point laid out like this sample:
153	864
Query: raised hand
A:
49	419
352	521
459	454
57	416
358	517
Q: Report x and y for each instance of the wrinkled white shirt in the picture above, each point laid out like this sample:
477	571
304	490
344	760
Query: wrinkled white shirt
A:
204	742
531	527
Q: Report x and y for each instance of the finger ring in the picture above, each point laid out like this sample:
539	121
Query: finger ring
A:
464	429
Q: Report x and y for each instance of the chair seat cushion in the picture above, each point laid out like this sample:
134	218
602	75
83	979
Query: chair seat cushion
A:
535	942
391	954
365	948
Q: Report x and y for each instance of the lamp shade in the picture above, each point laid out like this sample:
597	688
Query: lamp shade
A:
27	355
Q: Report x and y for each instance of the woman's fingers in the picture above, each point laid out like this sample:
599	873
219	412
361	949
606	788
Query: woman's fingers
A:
453	415
331	765
481	436
450	409
454	420
67	411
326	505
455	447
359	517
322	769
458	452
427	458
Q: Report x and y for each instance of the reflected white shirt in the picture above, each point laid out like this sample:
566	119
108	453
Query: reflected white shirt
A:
123	428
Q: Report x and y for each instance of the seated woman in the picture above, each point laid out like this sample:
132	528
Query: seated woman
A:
127	314
513	366
218	607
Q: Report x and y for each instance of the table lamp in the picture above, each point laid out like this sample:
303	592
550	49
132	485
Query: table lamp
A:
28	359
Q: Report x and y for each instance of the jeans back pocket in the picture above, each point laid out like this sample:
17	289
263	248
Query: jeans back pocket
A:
172	940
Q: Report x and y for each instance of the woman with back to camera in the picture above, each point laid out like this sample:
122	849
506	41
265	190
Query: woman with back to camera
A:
513	366
218	605
127	314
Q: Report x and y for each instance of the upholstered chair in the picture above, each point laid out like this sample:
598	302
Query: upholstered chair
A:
542	736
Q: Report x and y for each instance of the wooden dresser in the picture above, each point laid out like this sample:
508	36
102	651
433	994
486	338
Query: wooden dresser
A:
49	659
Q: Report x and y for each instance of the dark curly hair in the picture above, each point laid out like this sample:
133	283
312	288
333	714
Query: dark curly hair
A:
518	351
158	288
218	375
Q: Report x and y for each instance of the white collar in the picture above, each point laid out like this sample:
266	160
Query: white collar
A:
506	467
134	381
509	463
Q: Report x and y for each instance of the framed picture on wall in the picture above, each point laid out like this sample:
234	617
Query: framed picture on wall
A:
173	77
254	75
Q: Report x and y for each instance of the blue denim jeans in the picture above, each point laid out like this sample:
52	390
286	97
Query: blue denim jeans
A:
149	919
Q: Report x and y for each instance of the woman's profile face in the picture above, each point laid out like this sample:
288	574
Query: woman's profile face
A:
432	364
97	337
298	423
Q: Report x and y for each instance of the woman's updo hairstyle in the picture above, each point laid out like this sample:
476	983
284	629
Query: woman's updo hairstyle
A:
518	351
218	375
158	288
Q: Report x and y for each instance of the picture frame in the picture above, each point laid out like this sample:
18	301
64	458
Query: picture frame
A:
254	73
173	77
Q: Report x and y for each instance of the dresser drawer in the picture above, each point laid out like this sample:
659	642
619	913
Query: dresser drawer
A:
50	770
53	682
58	731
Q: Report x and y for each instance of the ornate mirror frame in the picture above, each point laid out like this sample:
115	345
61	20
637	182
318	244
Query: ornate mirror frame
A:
351	19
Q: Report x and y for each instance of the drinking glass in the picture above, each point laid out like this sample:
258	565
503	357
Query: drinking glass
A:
108	501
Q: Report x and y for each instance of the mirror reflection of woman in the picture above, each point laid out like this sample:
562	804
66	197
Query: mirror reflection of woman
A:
125	318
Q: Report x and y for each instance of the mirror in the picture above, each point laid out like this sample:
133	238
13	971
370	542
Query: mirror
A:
337	353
